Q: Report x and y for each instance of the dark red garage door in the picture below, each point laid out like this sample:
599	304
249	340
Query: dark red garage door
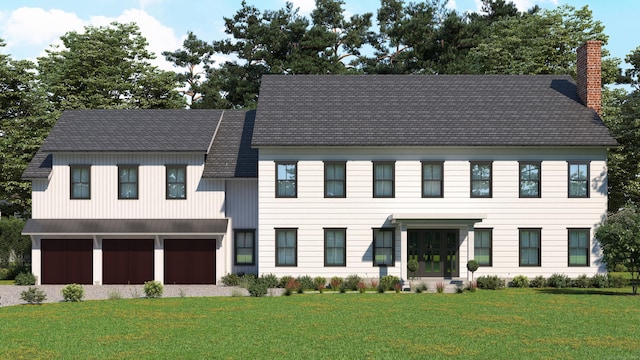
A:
189	261
127	261
67	261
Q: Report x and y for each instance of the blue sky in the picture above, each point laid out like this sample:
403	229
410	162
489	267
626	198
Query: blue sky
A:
30	26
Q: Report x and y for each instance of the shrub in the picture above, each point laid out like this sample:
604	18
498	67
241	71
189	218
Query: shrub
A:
336	282
388	282
490	282
412	266
291	286
153	289
73	293
520	281
440	287
270	280
33	296
319	283
581	281
421	288
25	278
4	273
231	280
617	280
620	268
258	288
374	284
246	280
538	282
114	295
352	281
600	281
284	281
362	288
306	283
559	281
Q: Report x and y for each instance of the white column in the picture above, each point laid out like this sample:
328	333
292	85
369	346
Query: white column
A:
36	259
470	249
97	260
158	259
403	251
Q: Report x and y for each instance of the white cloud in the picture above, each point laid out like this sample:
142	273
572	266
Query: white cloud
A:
451	5
38	27
522	5
306	6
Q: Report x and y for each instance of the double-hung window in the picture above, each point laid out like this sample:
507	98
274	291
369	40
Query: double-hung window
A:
127	182
481	179
335	179
383	247
383	179
432	179
80	181
530	247
176	182
286	176
482	247
529	179
286	247
335	247
244	245
578	179
579	247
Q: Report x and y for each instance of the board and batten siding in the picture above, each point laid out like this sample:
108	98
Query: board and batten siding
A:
51	199
242	212
505	212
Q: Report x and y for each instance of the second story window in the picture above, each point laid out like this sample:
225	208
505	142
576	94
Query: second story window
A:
127	182
481	179
286	177
578	179
176	182
80	181
529	179
432	179
335	179
383	179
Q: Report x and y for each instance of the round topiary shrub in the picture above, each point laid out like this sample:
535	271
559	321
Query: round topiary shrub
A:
412	266
520	281
73	293
153	289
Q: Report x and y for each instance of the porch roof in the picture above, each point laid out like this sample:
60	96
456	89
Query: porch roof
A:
437	219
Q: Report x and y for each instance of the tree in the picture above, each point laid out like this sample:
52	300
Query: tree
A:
619	237
14	247
106	67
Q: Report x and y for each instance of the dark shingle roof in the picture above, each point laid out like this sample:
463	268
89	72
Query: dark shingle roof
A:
417	110
231	155
39	167
148	130
125	226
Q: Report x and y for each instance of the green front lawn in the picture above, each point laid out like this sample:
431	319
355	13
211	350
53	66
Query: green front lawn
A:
7	282
511	323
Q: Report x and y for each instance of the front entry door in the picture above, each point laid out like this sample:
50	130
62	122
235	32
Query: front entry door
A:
436	252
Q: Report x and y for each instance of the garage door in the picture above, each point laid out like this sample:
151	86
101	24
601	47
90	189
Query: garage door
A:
189	261
127	261
66	261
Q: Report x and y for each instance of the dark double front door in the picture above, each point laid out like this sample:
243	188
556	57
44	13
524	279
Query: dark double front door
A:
436	252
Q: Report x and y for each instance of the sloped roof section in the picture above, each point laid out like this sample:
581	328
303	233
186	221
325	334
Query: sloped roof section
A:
231	155
39	167
148	130
125	227
425	110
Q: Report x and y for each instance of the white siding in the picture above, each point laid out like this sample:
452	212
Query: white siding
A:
359	212
205	197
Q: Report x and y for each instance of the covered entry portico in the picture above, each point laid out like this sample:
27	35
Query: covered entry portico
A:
441	243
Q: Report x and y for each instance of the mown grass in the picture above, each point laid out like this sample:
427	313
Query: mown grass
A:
7	282
512	323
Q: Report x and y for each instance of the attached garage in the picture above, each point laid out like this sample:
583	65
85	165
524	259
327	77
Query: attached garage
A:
127	261
67	261
189	261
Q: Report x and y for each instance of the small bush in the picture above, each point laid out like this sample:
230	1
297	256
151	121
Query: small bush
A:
33	296
490	282
440	287
258	288
559	281
388	282
581	281
421	288
362	288
336	282
520	281
25	278
374	284
292	285
4	273
600	281
306	282
620	268
153	289
114	295
270	280
617	280
539	282
73	293
246	280
352	281
319	283
284	281
231	280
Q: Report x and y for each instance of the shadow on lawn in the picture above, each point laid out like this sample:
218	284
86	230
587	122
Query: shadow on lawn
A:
578	291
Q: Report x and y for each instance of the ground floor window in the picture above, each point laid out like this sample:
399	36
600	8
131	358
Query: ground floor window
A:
578	247
286	247
530	247
244	247
335	247
383	246
483	247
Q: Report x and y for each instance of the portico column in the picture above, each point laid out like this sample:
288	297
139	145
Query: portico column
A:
470	249
36	259
158	259
403	250
97	260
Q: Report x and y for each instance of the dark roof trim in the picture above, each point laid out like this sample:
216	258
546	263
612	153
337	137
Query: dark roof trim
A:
50	227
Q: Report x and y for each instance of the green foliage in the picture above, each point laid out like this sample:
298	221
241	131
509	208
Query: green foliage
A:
440	287
600	281
14	247
231	280
352	281
422	287
284	280
520	281
558	281
412	266
258	288
33	296
246	280
336	282
25	278
74	293
291	286
472	265
539	282
619	281
582	281
153	289
388	282
491	282
306	282
271	280
319	282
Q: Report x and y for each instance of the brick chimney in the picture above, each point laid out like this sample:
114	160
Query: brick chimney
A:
589	74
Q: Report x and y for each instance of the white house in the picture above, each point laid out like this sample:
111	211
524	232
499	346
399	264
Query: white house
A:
331	175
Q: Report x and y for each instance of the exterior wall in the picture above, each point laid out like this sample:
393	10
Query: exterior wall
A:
359	212
242	212
51	200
